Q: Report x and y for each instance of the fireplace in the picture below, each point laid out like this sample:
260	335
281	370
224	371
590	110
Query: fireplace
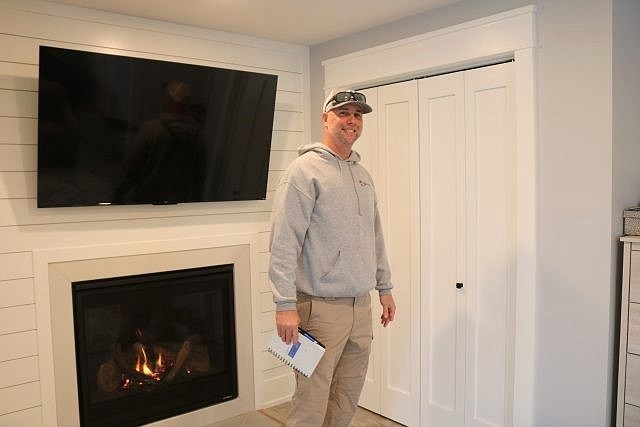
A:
103	269
153	346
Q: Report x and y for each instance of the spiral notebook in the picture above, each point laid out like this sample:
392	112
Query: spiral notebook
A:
302	356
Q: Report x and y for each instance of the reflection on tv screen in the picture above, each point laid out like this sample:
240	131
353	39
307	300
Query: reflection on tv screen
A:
122	130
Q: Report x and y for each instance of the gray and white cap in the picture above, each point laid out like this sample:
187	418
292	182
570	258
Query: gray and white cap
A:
338	98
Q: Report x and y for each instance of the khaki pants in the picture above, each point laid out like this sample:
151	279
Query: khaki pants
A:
330	396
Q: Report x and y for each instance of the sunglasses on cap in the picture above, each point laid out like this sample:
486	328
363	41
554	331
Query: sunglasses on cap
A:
346	97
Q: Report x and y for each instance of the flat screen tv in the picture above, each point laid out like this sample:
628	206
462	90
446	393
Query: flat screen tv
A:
118	130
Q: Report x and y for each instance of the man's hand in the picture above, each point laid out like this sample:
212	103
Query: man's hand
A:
287	323
388	309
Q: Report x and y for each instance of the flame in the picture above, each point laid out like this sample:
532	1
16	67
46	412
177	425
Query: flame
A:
155	370
159	362
142	363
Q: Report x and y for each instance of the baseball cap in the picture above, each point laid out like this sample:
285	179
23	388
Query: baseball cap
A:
338	98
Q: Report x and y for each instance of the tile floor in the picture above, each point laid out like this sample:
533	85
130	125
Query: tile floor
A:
275	417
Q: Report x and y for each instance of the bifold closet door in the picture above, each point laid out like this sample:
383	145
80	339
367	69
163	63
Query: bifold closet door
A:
441	152
467	204
443	235
389	147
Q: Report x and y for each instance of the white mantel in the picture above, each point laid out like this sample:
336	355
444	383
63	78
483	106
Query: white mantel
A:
56	269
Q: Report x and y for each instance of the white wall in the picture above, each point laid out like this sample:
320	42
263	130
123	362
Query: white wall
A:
24	228
626	126
587	174
575	346
626	108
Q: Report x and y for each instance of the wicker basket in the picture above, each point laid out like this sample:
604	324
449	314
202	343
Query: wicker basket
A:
632	221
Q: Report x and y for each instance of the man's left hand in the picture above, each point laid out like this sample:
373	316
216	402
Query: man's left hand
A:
388	309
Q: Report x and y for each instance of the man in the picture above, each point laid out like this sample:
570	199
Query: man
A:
327	254
163	149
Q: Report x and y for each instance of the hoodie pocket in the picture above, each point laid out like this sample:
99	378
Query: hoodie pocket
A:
333	270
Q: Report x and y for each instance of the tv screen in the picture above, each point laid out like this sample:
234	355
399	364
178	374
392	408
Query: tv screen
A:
118	130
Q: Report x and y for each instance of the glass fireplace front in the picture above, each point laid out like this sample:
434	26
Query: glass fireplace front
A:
153	346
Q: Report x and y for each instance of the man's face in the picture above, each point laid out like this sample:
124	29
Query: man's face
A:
343	124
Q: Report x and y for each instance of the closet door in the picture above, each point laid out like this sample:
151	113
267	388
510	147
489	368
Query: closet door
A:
467	194
491	268
443	235
390	140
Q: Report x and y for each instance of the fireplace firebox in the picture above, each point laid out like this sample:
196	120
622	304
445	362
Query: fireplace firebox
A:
153	346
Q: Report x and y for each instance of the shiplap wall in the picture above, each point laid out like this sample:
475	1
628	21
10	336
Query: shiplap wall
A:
25	25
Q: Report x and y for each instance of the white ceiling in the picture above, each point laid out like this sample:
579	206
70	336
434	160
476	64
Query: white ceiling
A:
306	22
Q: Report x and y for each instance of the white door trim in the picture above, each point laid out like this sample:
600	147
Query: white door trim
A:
509	34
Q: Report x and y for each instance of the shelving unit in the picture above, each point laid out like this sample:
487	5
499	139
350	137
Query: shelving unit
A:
629	364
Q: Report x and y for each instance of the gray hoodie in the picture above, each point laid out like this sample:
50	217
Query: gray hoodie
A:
326	235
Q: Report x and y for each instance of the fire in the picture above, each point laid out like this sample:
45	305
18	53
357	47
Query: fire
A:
143	365
162	362
161	366
159	362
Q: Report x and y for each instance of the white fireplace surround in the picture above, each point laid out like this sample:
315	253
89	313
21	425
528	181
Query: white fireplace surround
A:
55	270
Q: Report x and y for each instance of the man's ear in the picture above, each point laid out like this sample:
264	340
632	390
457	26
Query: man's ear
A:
324	118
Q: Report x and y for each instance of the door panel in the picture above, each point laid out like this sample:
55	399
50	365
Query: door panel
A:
398	120
442	190
490	243
395	354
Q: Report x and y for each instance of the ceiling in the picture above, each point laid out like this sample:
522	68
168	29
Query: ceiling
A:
306	22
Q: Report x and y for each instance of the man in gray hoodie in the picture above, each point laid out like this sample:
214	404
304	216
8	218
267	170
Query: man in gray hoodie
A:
327	254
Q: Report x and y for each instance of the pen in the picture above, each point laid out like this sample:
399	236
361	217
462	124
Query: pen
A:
310	337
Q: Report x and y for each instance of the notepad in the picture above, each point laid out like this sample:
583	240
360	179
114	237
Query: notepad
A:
302	356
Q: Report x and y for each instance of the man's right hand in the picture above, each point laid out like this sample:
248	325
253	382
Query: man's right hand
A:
287	324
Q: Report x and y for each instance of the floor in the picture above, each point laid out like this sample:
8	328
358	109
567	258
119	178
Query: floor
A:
275	417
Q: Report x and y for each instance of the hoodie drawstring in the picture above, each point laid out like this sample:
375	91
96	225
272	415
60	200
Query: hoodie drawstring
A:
355	188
